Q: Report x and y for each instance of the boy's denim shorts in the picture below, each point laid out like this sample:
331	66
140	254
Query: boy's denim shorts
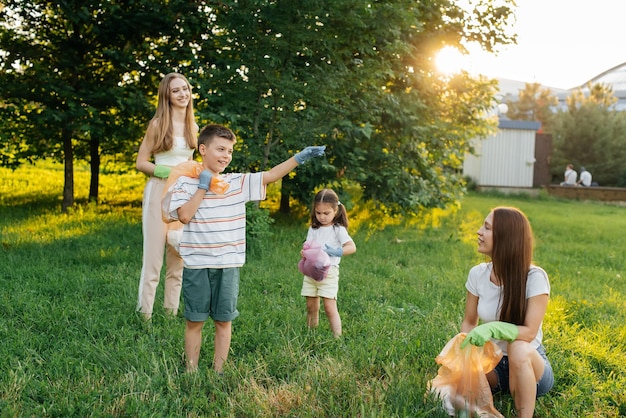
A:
543	386
211	293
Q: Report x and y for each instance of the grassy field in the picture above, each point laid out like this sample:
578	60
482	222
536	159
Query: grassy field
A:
72	344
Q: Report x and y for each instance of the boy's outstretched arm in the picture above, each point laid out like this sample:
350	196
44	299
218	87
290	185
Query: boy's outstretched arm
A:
281	170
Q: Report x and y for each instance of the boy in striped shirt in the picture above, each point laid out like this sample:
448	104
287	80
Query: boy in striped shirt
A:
213	245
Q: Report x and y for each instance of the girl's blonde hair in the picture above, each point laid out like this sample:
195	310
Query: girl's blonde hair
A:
160	132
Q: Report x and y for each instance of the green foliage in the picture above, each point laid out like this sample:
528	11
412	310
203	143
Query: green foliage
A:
76	77
358	77
590	134
77	81
258	228
72	344
534	104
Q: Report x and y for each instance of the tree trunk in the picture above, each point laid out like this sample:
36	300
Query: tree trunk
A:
68	186
94	153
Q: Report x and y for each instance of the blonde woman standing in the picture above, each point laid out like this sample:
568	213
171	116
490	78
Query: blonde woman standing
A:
170	139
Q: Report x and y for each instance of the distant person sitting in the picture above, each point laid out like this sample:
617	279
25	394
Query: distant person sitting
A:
585	177
570	176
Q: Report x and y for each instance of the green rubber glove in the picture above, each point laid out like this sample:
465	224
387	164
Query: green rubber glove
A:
162	171
496	329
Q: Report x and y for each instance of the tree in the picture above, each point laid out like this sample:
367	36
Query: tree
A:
535	104
353	74
75	76
591	134
359	76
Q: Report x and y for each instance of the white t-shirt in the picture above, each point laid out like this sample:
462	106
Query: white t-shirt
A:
489	295
216	235
570	176
333	235
585	178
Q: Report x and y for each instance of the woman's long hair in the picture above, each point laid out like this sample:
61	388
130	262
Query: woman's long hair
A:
162	137
512	256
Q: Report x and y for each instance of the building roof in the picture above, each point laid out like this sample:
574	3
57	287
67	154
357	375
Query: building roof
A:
525	125
614	77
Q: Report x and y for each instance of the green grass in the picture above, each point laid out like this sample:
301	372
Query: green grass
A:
72	344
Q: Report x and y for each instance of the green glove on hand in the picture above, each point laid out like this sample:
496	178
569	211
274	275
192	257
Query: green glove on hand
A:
496	329
162	171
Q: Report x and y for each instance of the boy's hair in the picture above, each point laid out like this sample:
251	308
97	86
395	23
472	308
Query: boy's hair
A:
330	197
210	132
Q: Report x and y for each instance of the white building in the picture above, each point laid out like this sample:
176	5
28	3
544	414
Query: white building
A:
507	158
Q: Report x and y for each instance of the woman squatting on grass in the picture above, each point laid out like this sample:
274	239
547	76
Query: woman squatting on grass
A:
329	228
510	296
170	139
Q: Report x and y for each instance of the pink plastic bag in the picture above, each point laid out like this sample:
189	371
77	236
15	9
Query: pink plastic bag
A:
461	381
315	263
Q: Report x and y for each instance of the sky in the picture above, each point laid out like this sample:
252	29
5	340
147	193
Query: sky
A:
560	43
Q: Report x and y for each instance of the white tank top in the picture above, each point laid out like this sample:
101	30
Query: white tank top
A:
179	153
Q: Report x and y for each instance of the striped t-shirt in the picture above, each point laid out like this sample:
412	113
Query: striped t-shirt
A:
216	235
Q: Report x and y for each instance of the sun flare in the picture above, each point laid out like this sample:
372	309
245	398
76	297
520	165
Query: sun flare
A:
450	61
